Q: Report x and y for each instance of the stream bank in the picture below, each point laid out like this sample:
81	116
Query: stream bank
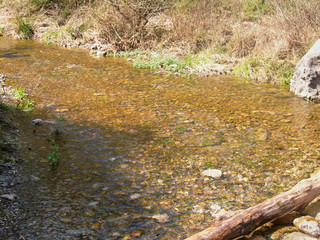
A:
10	163
161	48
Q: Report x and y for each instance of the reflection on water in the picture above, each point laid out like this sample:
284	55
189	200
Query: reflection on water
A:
133	145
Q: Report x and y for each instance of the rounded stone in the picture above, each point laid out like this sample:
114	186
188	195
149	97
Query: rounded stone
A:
214	173
308	225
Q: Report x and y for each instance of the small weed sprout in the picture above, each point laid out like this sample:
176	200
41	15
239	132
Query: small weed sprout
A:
58	125
53	156
61	118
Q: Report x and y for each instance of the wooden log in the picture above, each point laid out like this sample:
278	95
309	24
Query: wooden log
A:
244	222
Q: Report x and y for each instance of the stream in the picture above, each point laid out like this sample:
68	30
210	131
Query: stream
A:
132	145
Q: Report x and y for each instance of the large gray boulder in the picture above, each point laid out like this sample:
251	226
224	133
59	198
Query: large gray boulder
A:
306	79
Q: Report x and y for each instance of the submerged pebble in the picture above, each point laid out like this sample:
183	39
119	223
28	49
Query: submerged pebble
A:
214	173
37	122
10	197
135	196
161	218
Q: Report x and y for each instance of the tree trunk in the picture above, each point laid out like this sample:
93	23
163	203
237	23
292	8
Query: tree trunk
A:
244	222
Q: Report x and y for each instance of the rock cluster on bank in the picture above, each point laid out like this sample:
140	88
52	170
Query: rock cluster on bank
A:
295	226
10	175
306	80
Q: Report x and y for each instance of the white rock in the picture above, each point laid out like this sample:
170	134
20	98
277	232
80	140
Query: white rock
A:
214	173
94	46
93	204
47	122
34	178
101	53
297	236
313	208
10	197
257	237
308	225
97	185
37	122
318	217
98	53
304	82
135	196
198	209
215	208
161	218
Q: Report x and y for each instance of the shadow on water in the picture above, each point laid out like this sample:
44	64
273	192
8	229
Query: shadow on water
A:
93	186
134	145
13	55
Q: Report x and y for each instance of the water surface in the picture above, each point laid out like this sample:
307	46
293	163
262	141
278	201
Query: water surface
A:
133	145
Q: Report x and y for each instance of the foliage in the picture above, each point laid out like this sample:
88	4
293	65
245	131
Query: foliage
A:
25	28
253	9
264	70
158	61
1	31
53	156
41	3
58	124
69	4
23	101
134	16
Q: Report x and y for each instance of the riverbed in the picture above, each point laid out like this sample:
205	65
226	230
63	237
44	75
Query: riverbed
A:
132	145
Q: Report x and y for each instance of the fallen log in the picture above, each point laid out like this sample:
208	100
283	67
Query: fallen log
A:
244	222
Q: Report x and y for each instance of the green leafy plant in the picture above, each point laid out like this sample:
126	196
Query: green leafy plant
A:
53	156
58	124
25	28
61	118
23	102
149	60
1	31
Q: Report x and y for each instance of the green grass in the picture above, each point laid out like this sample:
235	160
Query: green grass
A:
264	70
254	9
55	36
25	28
180	129
156	61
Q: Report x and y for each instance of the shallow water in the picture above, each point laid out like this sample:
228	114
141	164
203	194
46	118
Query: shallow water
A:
133	145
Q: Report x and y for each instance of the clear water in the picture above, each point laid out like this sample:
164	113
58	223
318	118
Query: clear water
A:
133	145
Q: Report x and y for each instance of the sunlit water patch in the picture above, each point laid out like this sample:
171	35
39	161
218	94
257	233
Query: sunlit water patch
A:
132	145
